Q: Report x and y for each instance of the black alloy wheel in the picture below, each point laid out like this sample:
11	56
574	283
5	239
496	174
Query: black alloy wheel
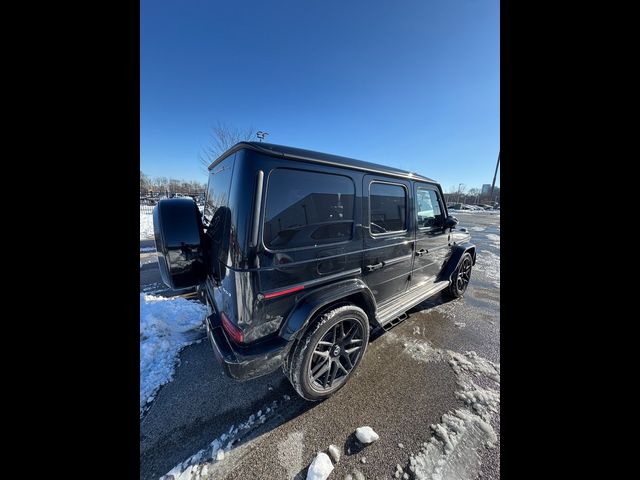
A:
336	355
461	277
328	353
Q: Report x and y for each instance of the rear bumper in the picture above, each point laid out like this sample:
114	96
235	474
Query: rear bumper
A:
244	363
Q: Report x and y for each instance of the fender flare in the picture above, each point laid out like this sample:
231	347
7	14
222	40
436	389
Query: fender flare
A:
309	305
454	260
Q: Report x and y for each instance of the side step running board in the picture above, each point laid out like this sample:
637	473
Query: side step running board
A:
392	323
395	309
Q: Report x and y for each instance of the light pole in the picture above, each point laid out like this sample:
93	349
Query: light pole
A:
459	185
493	184
261	135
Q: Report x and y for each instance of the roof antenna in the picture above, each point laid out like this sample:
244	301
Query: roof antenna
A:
261	135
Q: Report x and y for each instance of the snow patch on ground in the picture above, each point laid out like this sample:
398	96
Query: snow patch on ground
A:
147	249
478	229
489	264
366	435
146	226
495	239
166	326
204	463
453	450
320	468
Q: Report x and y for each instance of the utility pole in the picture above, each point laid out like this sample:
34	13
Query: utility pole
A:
459	185
494	176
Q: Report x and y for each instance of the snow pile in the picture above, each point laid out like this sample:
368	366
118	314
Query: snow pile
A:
146	225
489	264
366	435
203	463
453	449
334	452
166	326
320	468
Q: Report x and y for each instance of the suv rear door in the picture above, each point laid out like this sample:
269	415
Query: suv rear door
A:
388	236
432	239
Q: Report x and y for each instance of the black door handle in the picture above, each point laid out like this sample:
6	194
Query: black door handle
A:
377	266
421	252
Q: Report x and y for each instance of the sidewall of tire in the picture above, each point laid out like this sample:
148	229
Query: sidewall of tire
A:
453	288
304	349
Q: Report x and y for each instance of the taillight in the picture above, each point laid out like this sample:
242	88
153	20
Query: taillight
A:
234	332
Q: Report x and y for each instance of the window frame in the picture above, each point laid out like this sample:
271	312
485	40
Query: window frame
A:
426	186
315	245
406	208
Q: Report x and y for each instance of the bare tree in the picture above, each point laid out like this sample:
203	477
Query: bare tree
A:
160	184
145	182
223	137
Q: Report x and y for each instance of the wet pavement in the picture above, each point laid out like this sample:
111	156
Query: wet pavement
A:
398	396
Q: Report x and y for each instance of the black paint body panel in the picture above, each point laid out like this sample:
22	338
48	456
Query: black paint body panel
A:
363	267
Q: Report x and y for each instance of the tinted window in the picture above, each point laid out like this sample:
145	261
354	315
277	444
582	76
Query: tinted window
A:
307	208
428	208
388	208
218	188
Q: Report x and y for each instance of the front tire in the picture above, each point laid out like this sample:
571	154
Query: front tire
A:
329	352
461	277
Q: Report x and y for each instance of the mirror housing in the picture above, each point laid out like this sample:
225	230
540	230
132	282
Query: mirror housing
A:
450	222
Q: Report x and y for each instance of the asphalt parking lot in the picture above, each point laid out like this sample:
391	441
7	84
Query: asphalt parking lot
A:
394	391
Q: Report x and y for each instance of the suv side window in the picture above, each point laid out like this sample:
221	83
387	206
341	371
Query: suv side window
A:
387	208
428	210
306	208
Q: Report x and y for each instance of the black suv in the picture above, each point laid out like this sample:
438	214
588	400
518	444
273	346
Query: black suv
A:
300	255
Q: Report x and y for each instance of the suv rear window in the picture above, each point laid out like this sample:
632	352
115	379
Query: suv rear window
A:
218	189
307	208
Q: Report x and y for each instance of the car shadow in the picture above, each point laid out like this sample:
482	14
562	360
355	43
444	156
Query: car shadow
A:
435	301
201	404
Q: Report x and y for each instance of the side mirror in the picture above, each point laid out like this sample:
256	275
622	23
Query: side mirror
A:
450	222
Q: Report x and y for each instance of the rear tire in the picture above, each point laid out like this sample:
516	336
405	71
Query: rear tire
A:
328	353
461	277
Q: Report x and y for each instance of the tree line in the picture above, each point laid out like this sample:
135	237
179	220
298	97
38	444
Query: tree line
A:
168	185
459	194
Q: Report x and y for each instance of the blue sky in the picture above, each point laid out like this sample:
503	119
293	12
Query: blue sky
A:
413	84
